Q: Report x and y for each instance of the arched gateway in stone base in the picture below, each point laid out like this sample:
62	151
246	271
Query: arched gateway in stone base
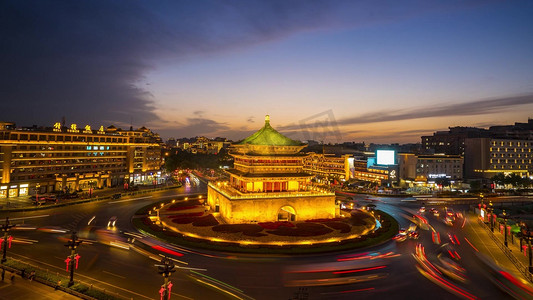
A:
268	183
287	213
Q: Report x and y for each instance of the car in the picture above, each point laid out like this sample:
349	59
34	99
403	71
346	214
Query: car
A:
448	221
39	201
448	250
450	213
71	195
400	237
413	235
436	213
422	209
112	221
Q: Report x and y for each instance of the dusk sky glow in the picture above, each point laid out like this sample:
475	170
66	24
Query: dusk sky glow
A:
381	71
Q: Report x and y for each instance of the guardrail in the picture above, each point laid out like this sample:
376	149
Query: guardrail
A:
53	278
519	266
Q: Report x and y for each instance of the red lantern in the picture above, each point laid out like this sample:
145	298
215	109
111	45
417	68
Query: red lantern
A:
169	289
68	261
162	292
9	239
77	258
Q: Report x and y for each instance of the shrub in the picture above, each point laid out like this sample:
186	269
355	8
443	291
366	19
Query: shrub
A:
275	225
208	220
323	220
302	229
246	229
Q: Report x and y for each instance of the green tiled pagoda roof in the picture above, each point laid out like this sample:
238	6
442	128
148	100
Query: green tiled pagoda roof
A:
269	136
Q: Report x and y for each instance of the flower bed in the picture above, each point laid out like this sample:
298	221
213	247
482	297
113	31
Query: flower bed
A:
246	229
323	220
208	220
275	225
302	229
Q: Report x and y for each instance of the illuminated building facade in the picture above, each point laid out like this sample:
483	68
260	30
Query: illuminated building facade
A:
328	165
71	159
486	157
429	170
268	183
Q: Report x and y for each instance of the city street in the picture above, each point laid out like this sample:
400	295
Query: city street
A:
132	274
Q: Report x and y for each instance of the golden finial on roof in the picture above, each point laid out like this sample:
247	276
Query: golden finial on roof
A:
267	119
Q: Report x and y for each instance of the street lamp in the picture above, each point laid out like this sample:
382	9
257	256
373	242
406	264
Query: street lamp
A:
72	244
166	268
505	217
37	187
491	209
527	234
7	239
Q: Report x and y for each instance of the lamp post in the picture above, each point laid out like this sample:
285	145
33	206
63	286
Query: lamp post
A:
491	209
7	239
37	187
527	234
505	217
166	268
72	244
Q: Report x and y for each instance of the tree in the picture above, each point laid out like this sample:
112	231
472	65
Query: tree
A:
443	181
499	179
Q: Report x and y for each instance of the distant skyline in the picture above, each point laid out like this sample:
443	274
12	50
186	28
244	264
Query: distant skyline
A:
372	71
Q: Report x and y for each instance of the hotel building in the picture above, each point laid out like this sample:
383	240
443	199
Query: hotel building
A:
486	157
58	158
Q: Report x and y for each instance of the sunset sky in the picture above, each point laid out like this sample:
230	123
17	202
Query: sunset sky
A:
335	71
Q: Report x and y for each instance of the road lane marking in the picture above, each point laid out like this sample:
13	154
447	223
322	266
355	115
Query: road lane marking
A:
134	199
113	274
30	217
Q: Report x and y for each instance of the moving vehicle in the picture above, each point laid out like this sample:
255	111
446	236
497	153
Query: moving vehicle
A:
450	213
112	221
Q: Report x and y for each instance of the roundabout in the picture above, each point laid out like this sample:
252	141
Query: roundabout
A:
187	222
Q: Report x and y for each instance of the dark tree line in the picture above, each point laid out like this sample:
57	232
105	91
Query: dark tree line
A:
187	160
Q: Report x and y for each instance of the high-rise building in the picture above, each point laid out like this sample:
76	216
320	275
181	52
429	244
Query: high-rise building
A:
451	142
486	157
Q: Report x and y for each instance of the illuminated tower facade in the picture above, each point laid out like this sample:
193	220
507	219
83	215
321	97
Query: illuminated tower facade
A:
268	182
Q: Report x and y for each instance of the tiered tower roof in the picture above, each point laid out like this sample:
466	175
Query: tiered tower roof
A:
268	136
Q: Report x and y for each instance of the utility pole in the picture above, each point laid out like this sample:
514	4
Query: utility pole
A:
166	268
7	239
72	244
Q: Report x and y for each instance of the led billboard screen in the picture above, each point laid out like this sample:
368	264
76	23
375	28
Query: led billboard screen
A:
386	157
